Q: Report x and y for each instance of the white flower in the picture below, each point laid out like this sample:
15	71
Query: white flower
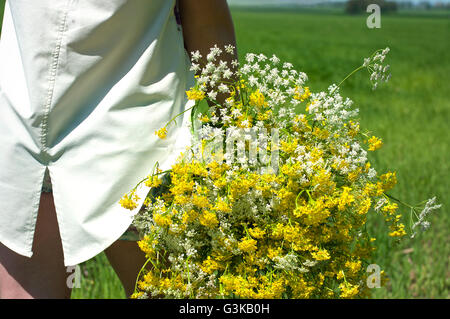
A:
245	69
195	67
214	52
274	59
250	57
229	48
429	207
309	263
252	80
287	65
236	113
212	95
195	55
223	88
371	173
380	204
261	57
288	262
366	62
227	74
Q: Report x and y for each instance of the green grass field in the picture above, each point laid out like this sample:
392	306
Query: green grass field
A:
410	113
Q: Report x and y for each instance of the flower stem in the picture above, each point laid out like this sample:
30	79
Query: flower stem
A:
349	75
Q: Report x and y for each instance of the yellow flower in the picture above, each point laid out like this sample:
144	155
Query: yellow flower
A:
389	180
323	182
153	181
204	118
222	206
264	116
162	220
364	206
162	133
314	213
189	216
322	134
146	245
390	208
352	176
257	232
321	255
196	95
353	266
397	231
348	290
353	129
136	295
208	219
301	93
374	143
257	99
129	201
274	252
200	201
247	245
210	265
345	198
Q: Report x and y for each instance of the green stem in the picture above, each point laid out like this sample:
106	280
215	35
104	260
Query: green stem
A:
180	114
398	200
139	274
296	199
349	75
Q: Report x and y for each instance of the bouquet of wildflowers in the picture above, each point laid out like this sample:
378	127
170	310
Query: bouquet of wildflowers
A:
272	197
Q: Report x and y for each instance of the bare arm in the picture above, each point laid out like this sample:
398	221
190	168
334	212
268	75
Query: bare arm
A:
206	23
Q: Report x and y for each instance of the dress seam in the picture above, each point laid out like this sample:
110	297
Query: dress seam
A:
52	73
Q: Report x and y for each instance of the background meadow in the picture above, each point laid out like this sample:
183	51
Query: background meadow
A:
410	113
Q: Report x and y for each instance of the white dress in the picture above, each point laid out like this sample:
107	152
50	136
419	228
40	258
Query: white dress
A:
84	84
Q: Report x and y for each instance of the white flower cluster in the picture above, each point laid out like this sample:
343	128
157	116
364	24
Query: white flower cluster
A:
215	74
378	71
289	262
421	222
279	83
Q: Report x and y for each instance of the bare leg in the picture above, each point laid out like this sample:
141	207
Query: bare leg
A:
127	259
44	274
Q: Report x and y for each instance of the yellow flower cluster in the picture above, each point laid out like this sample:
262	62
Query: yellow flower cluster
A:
161	133
257	99
195	95
129	201
374	143
319	222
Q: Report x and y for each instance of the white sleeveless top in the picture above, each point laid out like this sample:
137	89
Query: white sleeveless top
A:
84	84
